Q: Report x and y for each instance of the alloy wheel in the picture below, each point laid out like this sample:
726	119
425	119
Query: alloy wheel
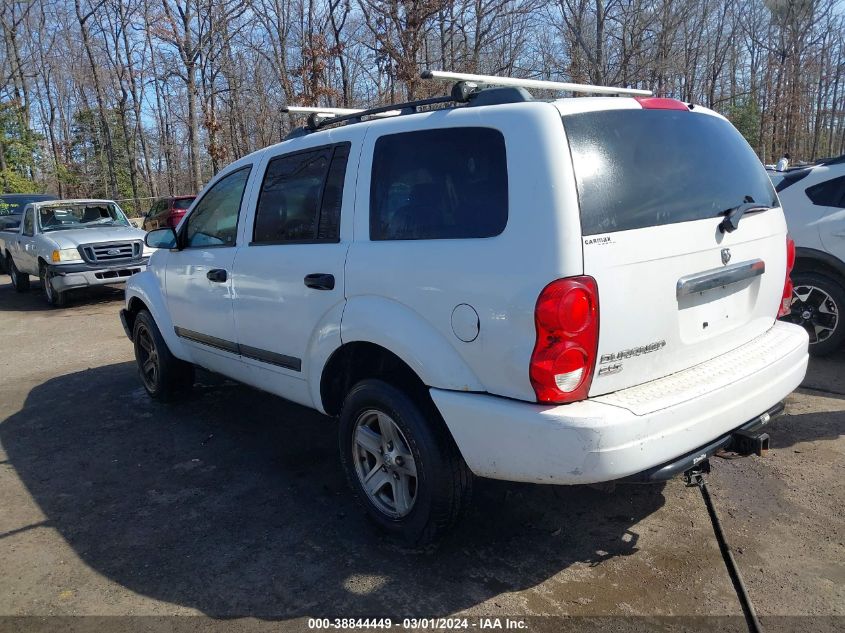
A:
384	464
815	310
148	360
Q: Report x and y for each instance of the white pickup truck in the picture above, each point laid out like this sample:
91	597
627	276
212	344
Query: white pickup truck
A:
72	244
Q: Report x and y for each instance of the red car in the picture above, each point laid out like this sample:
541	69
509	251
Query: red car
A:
166	212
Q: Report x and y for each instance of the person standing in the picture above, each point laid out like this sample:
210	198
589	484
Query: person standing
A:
783	163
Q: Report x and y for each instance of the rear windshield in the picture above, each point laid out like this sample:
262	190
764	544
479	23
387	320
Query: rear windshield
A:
640	168
181	204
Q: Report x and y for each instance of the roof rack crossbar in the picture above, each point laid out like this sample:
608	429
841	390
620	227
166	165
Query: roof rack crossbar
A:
319	110
398	108
492	80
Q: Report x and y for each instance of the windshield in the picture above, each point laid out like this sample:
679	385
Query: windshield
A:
640	168
180	204
80	216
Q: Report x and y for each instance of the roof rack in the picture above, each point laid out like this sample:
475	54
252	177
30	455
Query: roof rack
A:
492	80
468	90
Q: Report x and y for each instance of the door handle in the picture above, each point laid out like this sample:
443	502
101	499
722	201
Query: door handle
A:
320	281
217	275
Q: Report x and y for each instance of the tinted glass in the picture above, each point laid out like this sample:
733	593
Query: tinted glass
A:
788	178
301	196
214	221
439	184
640	168
180	204
828	193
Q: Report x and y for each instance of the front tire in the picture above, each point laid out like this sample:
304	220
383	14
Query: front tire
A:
20	280
818	302
401	462
163	375
55	298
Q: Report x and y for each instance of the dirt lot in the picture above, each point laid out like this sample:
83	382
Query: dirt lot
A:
232	503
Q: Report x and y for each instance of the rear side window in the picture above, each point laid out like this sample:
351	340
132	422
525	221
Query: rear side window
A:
29	222
641	168
439	184
830	193
301	197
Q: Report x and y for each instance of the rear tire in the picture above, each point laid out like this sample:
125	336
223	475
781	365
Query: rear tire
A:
384	436
164	376
55	298
818	304
20	280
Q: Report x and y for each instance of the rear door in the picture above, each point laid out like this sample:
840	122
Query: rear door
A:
830	196
288	279
674	291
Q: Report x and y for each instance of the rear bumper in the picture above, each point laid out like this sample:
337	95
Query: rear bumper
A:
70	276
631	431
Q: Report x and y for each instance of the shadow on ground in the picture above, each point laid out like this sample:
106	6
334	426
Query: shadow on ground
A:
33	300
232	502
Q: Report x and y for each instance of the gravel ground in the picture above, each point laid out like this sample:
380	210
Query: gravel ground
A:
232	503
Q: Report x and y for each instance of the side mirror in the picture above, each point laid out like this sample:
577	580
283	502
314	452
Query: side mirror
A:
161	238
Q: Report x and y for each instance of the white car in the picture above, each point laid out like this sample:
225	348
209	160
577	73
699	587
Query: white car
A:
71	244
560	292
813	199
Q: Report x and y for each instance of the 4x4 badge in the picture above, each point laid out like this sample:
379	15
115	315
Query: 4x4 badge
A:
726	256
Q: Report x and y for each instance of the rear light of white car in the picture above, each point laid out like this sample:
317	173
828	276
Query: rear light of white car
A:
786	299
564	357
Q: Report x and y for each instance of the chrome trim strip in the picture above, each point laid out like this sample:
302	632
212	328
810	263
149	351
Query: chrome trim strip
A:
718	277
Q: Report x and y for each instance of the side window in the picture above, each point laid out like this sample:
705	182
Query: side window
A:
830	193
301	197
439	184
214	221
29	222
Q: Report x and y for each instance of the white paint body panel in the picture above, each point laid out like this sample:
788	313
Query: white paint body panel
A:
607	438
401	295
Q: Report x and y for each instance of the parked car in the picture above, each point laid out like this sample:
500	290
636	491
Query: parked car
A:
813	200
558	292
12	205
167	212
72	244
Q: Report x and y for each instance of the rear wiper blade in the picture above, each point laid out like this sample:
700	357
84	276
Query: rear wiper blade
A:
734	214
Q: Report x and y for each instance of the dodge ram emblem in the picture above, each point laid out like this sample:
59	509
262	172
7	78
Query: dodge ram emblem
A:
726	256
116	251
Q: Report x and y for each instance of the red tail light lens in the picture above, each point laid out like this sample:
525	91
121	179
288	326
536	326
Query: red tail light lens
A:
567	322
786	298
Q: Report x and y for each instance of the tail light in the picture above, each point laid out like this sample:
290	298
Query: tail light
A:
786	298
564	357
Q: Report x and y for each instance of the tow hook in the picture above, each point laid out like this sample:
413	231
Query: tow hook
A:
750	442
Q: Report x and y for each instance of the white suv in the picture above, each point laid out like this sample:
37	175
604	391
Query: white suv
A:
813	199
544	291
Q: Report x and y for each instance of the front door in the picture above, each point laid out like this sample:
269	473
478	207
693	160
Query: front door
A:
199	275
289	279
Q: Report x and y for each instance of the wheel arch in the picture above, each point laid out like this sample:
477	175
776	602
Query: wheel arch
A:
386	329
810	260
352	362
143	292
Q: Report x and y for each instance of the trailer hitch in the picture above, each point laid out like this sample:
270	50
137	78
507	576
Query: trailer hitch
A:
749	442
